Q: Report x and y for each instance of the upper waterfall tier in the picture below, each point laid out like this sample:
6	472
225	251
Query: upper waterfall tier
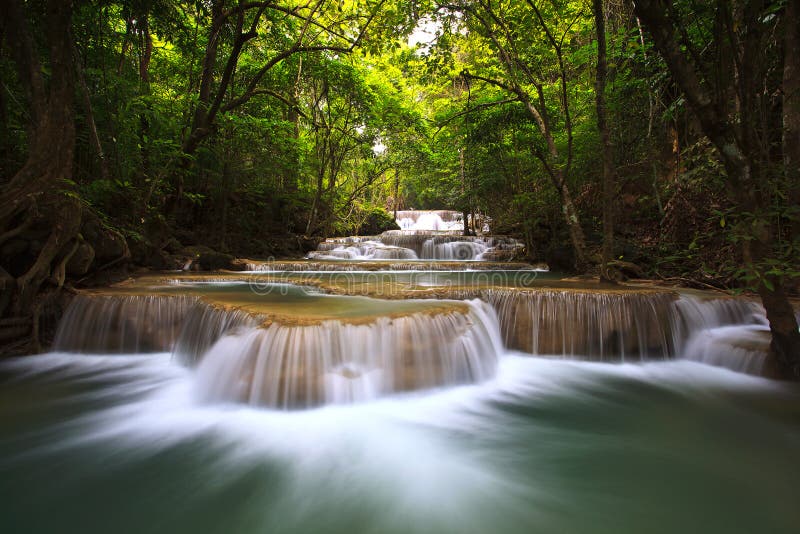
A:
321	266
418	245
430	220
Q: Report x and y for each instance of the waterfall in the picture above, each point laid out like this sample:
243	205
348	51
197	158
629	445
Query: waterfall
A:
336	362
412	245
257	357
122	324
203	326
741	348
725	332
437	220
454	250
589	324
327	266
628	325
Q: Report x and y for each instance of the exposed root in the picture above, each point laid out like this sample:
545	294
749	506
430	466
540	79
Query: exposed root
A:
32	214
65	228
60	272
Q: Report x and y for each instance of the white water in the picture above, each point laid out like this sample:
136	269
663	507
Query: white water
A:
442	220
551	446
136	444
412	245
741	348
297	366
336	362
439	221
140	323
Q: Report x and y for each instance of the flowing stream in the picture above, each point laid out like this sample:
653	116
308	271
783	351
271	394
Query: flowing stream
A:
399	400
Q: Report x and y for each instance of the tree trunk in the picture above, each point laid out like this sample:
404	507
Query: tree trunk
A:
396	192
86	100
44	179
602	126
741	165
791	107
576	234
783	326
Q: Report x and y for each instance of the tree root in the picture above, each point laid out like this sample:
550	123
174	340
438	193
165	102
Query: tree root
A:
22	227
60	272
66	225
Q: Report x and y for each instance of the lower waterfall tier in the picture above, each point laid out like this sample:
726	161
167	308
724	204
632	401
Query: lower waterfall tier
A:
287	346
247	349
336	362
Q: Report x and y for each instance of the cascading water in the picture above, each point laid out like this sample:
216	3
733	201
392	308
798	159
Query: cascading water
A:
122	324
600	325
326	266
439	220
429	424
620	325
411	245
605	325
242	355
203	326
336	362
730	333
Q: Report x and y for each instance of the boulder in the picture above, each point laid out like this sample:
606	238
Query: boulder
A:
108	244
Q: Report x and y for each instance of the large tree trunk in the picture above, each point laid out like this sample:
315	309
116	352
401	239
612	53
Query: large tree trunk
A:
791	106
741	165
39	193
576	235
602	126
86	100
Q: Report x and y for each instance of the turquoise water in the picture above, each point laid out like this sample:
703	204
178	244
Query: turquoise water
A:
100	444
